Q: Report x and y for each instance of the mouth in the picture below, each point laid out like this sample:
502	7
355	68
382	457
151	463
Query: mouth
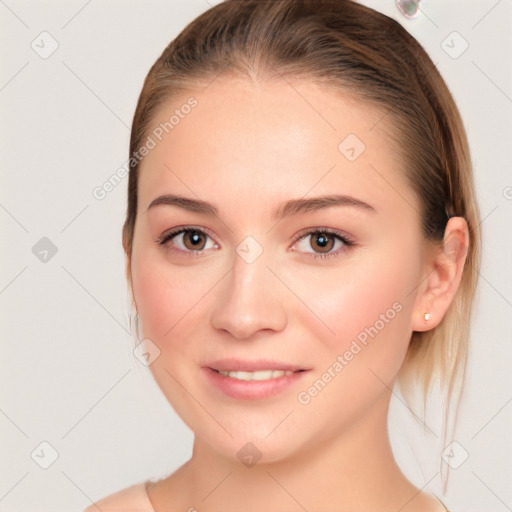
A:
257	375
247	380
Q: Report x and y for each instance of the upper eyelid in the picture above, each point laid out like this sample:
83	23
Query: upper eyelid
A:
178	230
330	231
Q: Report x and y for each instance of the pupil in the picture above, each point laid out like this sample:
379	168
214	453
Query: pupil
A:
322	240
195	238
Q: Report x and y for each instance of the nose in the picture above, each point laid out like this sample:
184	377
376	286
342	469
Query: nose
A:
249	300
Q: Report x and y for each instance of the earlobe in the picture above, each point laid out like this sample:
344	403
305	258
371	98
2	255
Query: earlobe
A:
424	319
444	273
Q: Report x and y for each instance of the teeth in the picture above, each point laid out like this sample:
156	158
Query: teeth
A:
259	375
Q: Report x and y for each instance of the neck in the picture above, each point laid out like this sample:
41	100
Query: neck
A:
354	471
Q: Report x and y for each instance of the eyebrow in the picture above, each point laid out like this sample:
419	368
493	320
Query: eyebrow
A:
291	207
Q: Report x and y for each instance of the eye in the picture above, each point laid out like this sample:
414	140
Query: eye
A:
322	241
321	244
187	239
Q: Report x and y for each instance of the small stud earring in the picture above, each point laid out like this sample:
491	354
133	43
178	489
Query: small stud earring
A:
427	316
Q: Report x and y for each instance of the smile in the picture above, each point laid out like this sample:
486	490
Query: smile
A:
252	384
258	375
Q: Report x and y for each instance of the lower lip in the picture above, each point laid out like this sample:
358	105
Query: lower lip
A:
251	389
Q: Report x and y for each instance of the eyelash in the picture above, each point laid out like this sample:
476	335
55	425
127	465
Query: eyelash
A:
343	237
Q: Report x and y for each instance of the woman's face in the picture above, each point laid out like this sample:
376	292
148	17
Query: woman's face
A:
252	288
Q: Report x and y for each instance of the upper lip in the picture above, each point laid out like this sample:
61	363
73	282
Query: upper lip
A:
252	366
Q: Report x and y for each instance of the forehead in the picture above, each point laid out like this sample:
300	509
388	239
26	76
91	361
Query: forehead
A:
250	141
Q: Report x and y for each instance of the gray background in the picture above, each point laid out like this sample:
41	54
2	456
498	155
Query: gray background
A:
68	376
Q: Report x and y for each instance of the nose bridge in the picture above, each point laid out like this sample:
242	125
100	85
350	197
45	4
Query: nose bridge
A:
249	301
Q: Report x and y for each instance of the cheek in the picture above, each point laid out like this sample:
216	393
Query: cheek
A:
151	297
367	305
170	297
160	295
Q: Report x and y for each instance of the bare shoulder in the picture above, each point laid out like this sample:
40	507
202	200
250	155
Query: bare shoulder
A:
131	499
424	502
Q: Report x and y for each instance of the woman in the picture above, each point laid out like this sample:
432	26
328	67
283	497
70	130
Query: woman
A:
301	233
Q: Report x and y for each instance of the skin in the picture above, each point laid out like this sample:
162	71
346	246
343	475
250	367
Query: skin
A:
247	148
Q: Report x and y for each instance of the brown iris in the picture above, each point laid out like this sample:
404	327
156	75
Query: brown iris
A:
323	242
194	238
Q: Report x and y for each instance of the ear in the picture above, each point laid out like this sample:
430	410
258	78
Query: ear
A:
444	271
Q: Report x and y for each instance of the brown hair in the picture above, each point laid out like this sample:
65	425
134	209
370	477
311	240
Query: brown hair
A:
368	55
